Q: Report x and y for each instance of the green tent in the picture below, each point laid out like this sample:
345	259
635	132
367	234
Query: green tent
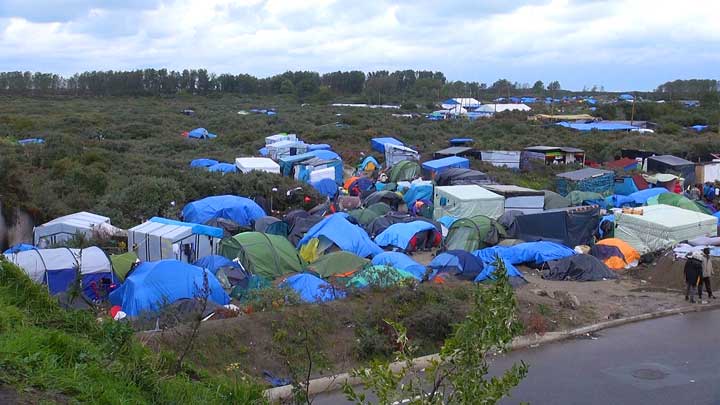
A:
579	197
122	264
474	233
337	263
554	200
269	256
677	200
241	292
366	215
407	170
379	277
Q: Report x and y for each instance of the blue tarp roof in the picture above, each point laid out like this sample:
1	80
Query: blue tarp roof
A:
599	126
439	165
418	192
312	288
151	284
454	141
263	151
319	146
367	160
29	141
637	198
458	261
699	128
626	97
223	168
240	210
399	235
20	247
201	133
529	252
347	236
215	263
400	261
326	187
203	162
195	228
447	221
379	143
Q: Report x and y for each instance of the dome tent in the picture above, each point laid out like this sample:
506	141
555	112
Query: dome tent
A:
400	261
337	263
240	210
473	233
410	236
337	230
229	273
457	262
200	133
311	288
203	162
269	256
406	170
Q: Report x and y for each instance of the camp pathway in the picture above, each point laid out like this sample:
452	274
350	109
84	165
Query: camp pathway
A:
671	360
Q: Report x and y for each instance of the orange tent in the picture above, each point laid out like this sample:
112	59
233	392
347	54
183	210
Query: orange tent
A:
616	263
349	182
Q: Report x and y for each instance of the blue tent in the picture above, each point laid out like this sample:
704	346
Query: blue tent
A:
263	151
400	261
318	146
223	168
287	163
202	162
699	128
201	133
418	192
461	141
626	187
458	262
30	141
335	229
20	247
378	144
399	235
529	252
240	210
637	198
433	167
326	187
216	262
447	221
626	97
312	289
368	160
598	126
528	100
153	284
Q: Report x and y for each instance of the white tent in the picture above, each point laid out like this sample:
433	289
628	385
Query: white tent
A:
493	108
518	198
464	102
269	140
62	229
161	238
281	149
467	201
500	158
397	153
248	164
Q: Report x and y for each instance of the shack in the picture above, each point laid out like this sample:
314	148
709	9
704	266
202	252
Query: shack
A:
587	179
551	155
462	151
501	158
162	238
672	164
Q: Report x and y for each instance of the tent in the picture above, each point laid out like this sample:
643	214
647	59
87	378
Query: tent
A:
392	199
637	198
521	199
243	211
281	149
223	168
418	192
662	226
578	268
357	184
155	284
380	276
326	187
311	288
365	216
228	273
473	233
587	179
20	247
123	263
569	226
64	228
554	200
381	223
162	238
457	176
261	164
58	268
584	198
677	200
459	263
202	162
337	230
301	226
670	163
395	154
378	144
200	133
266	255
534	253
616	253
404	171
507	221
337	263
400	261
432	168
369	165
410	236
625	185
467	201
271	225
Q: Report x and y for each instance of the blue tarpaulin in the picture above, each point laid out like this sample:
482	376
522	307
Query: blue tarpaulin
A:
458	262
311	288
699	128
529	252
637	198
240	210
461	141
215	263
202	162
201	133
399	235
447	221
400	261
319	146
598	126
20	247
223	168
433	167
326	187
194	227
418	192
626	187
263	151
368	160
30	141
348	237
378	144
153	284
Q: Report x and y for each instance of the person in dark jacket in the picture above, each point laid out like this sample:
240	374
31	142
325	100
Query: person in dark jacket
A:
707	272
693	275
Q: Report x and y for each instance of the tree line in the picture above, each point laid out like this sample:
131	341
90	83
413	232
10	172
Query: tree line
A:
693	88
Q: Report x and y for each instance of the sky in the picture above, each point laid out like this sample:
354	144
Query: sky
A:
618	44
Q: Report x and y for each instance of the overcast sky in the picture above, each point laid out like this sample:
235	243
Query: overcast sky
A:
620	44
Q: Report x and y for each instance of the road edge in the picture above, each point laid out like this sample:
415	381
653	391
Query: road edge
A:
335	382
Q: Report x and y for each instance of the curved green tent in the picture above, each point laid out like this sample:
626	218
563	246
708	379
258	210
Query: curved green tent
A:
269	256
470	234
579	197
406	170
677	200
366	215
122	264
554	200
337	263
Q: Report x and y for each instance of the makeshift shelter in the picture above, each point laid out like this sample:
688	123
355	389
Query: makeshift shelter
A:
281	149
568	226
708	172
637	198
670	163
301	226
459	151
392	199
662	226
20	247
162	238
64	228
153	285
311	288
501	158
588	179
369	165
200	133
550	155
335	230
418	192
554	200
677	200
313	166
410	236
584	198
357	185
625	164
507	221
269	256
432	168
381	223
404	171
577	268
59	268
380	276
326	187
337	263
461	141
457	177
283	136
395	154
202	162
243	211
533	253
467	201
473	233
463	265
378	144
228	273
625	185
521	199
223	168
400	261
31	141
123	263
616	253
261	164
271	225
365	216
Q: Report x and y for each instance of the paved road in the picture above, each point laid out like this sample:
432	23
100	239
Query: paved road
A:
674	360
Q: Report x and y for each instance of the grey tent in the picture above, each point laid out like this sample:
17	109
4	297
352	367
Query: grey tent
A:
568	226
458	176
301	226
578	268
507	220
271	225
554	200
388	197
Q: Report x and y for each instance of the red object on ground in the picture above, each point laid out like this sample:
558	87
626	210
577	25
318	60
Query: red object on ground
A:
114	310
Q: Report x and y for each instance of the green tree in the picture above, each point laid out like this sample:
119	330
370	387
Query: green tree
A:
538	87
554	86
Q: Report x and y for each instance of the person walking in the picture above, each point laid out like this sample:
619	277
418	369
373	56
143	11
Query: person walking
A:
707	272
693	275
